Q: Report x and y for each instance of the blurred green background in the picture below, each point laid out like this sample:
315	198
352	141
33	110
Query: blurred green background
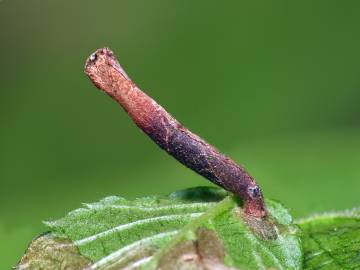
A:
273	84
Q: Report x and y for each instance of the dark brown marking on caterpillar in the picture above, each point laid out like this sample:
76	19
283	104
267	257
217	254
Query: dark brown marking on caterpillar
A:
106	73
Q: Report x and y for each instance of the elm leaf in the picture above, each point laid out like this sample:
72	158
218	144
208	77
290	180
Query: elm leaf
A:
332	240
199	228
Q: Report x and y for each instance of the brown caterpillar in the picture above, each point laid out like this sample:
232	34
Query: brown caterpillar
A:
106	73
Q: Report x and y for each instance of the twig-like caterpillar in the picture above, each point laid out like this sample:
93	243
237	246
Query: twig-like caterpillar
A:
106	73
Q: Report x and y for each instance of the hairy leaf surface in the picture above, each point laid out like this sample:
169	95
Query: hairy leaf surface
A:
199	228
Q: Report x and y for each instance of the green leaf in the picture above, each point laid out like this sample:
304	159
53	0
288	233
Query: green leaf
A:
199	228
332	240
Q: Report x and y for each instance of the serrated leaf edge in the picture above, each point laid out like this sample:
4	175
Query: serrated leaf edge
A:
351	213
